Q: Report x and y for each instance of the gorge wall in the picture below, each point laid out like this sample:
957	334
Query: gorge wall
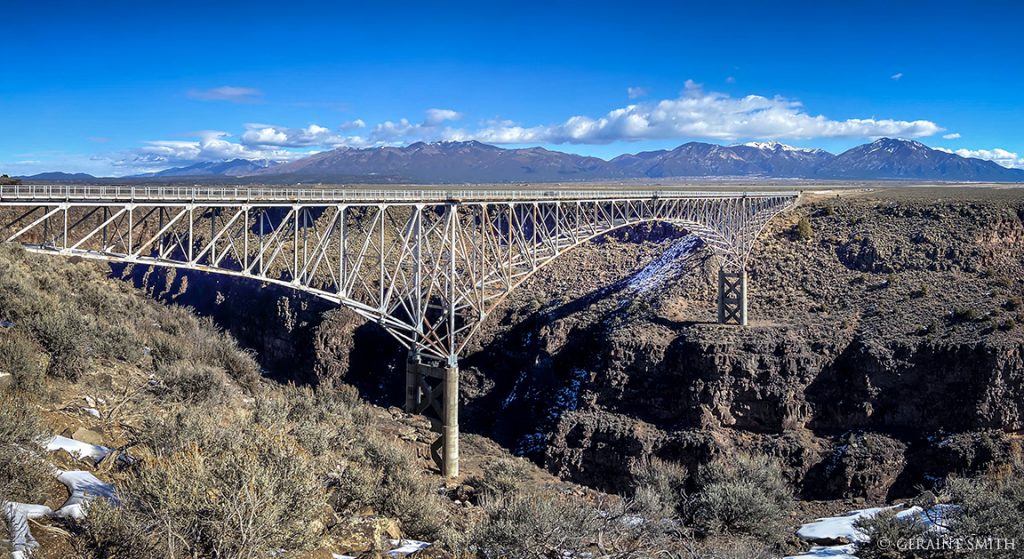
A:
885	350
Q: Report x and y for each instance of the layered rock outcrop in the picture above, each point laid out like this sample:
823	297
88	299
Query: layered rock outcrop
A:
885	350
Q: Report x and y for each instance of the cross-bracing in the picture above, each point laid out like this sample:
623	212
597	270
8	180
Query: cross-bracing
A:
428	265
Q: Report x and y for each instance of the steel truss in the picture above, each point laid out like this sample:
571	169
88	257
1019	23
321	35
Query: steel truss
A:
427	265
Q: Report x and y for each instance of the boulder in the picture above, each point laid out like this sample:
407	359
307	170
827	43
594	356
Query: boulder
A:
88	436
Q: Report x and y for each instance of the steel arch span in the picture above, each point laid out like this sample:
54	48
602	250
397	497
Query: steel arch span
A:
428	265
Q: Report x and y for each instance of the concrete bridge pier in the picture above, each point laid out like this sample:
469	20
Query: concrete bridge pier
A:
432	390
732	297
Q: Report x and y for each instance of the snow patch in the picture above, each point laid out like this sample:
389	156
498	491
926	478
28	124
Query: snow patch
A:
842	529
776	146
667	266
830	552
836	527
405	547
78	448
18	515
84	488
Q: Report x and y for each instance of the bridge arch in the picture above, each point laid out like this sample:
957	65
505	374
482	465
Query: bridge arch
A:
428	265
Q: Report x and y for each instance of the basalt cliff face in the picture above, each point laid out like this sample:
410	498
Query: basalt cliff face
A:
885	350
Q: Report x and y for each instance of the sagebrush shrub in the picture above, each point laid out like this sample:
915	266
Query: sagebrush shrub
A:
217	487
24	472
659	487
380	474
740	493
538	525
502	477
192	383
24	360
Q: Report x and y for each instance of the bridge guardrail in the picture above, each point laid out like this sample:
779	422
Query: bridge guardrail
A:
118	193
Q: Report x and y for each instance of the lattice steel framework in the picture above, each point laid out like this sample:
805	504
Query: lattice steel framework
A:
427	265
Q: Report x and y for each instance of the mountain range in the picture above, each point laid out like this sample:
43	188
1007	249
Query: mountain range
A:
475	162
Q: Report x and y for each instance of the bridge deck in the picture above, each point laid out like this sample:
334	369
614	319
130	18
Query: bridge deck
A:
28	194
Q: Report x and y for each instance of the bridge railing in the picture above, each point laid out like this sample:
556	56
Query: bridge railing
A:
119	193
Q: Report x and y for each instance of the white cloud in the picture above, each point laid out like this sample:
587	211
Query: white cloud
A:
212	145
706	115
730	79
953	136
1001	156
896	76
313	135
353	124
435	117
226	93
694	114
637	92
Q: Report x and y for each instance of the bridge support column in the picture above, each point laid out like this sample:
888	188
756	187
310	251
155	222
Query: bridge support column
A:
433	391
732	297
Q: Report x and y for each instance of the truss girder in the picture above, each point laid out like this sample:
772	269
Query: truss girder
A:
429	272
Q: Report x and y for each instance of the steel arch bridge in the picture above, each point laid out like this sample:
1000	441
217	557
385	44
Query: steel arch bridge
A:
428	265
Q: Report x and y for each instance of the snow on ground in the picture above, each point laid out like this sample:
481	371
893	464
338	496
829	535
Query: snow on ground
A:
84	488
841	528
405	547
77	448
666	267
836	527
829	552
18	515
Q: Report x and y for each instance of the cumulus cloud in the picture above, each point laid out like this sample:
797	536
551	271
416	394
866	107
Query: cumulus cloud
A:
435	117
226	93
1001	156
636	92
211	145
953	136
706	115
694	114
896	76
353	124
313	135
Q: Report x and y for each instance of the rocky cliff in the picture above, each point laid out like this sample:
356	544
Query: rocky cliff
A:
885	350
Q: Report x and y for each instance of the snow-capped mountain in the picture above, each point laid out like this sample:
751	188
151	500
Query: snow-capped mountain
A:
471	161
777	146
889	158
230	168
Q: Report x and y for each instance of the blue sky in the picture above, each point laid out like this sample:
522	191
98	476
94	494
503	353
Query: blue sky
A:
135	87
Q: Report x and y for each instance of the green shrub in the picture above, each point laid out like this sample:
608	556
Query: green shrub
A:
322	420
803	229
965	314
884	532
502	477
985	511
988	509
535	525
740	493
114	532
659	487
24	473
213	489
24	360
190	383
379	474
